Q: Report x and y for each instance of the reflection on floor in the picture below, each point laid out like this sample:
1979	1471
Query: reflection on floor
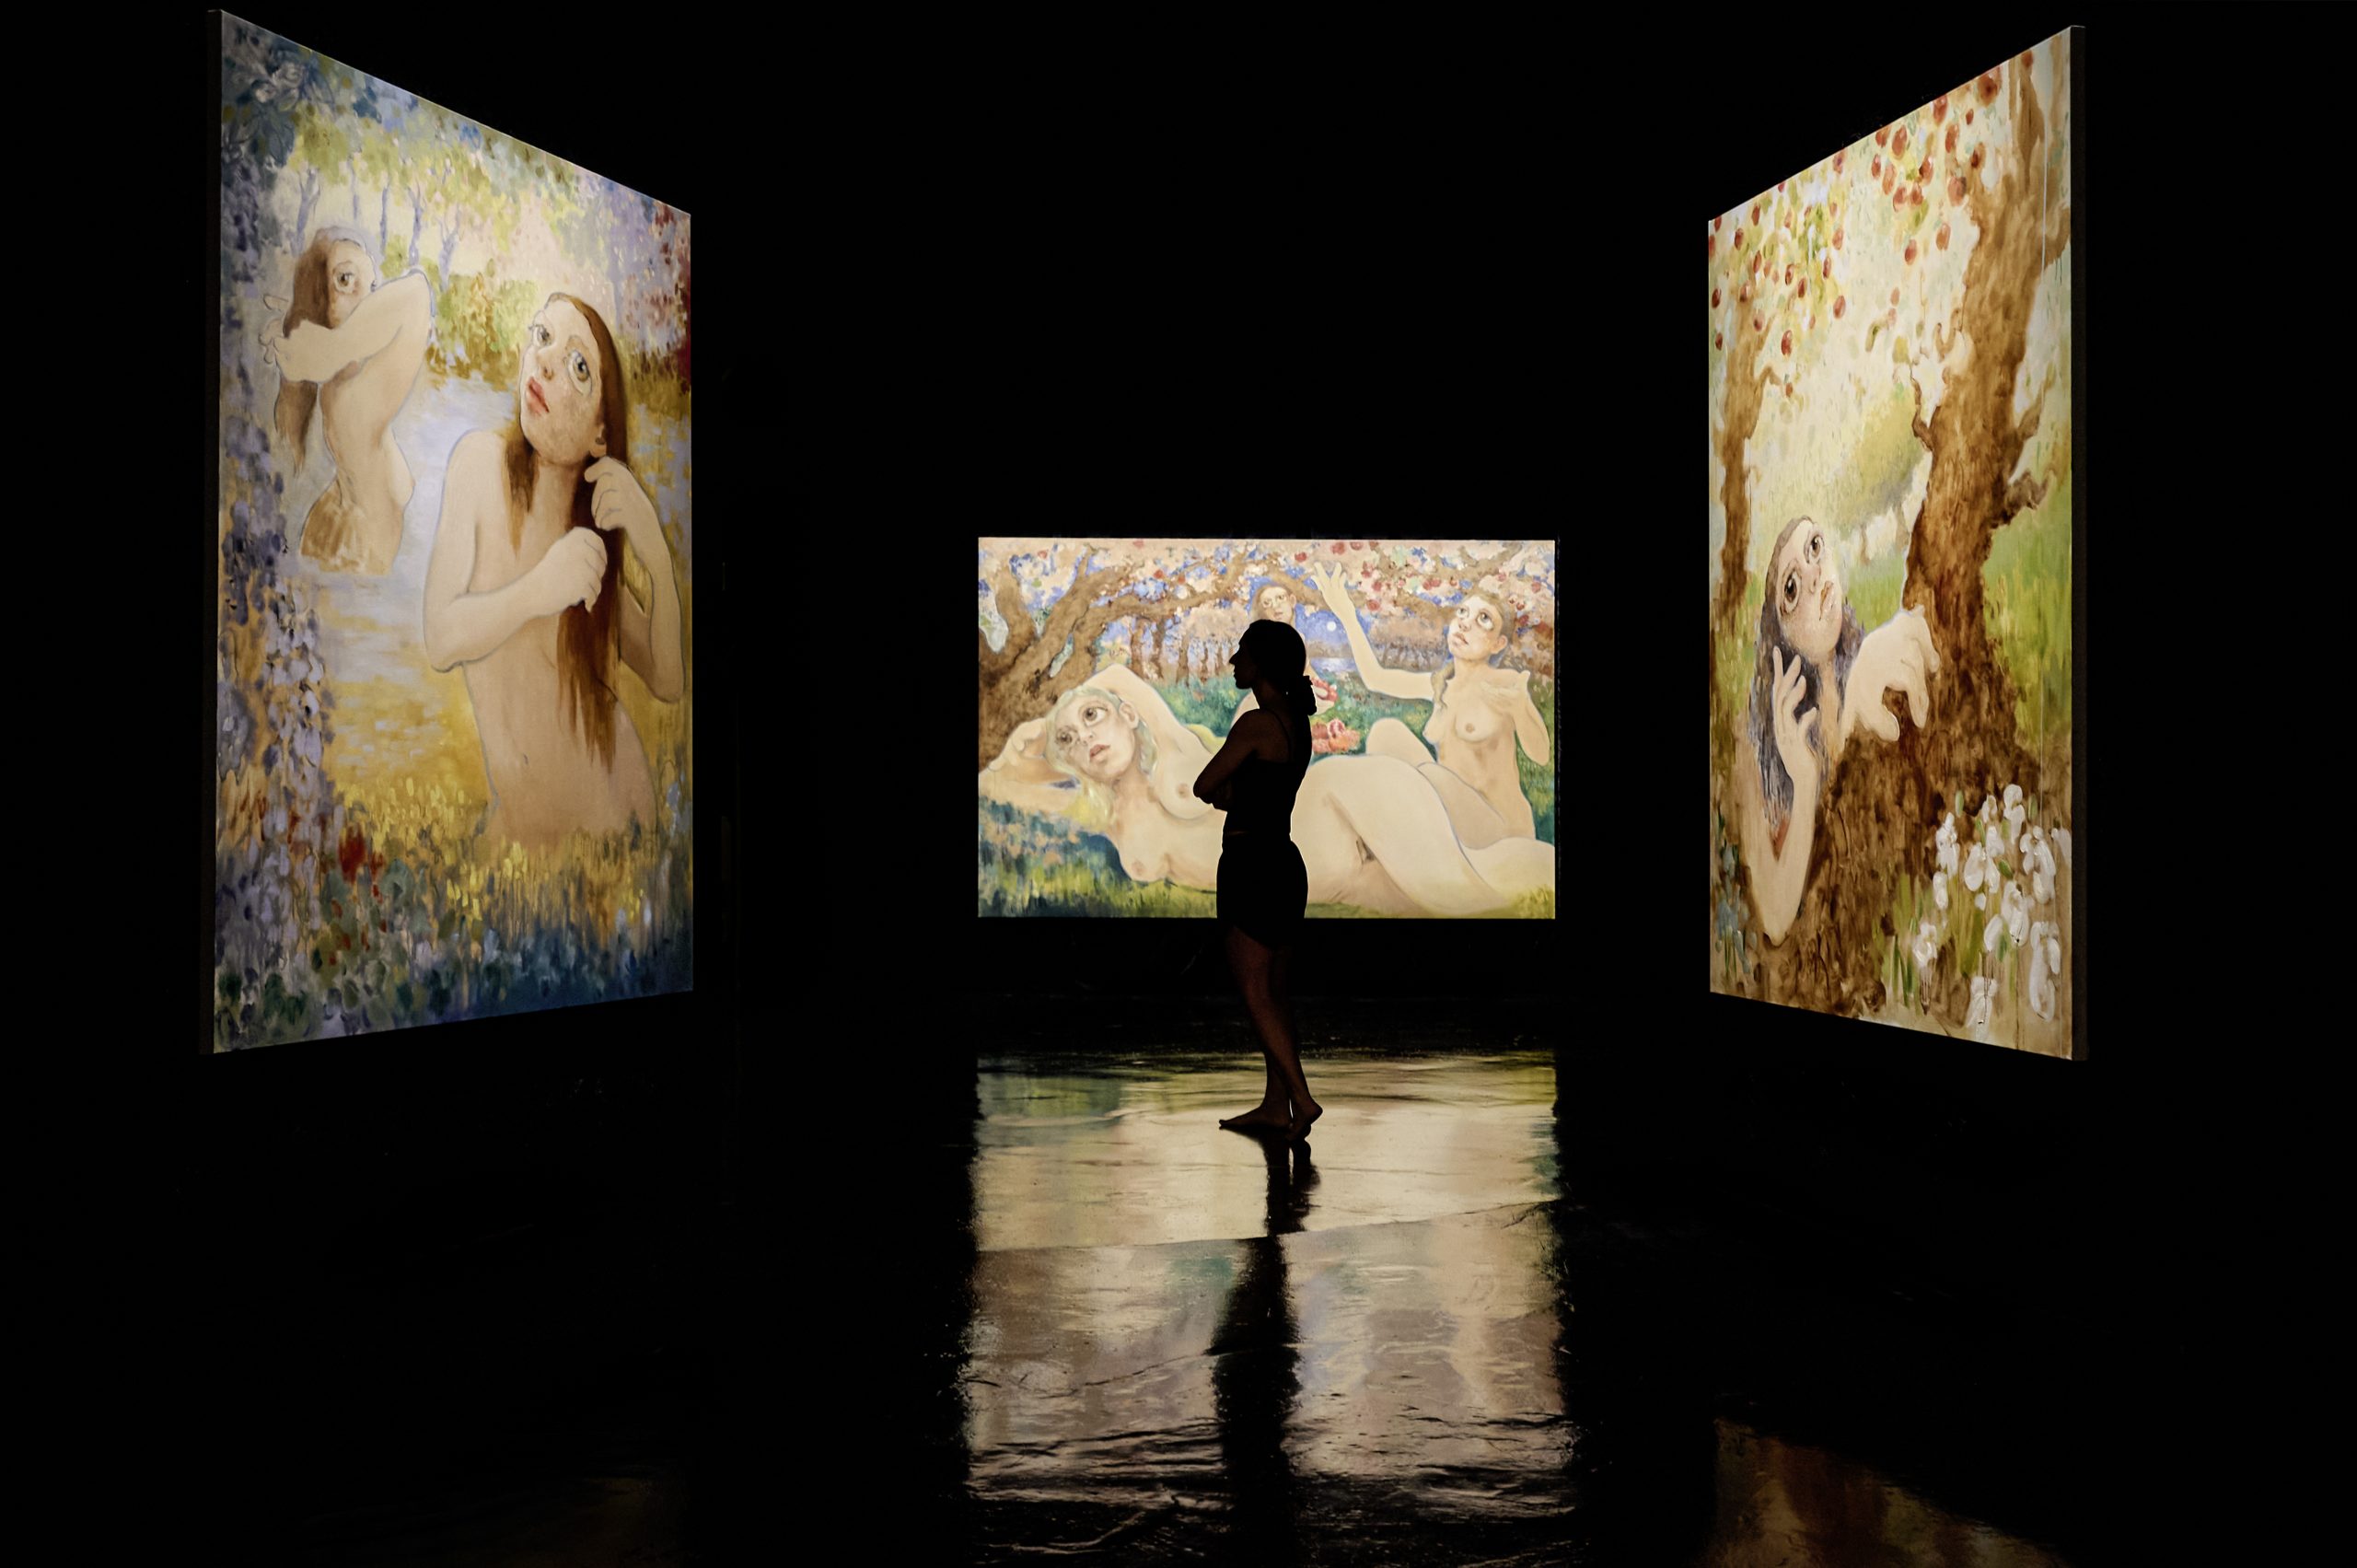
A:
1177	1343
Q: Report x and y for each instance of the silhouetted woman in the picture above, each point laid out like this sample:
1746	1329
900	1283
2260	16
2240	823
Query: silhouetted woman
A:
1263	887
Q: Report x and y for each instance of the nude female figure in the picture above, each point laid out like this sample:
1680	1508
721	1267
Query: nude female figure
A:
1370	830
1480	711
355	350
524	589
1812	653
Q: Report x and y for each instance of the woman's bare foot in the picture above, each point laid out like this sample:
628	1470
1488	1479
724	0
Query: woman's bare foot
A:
1304	1114
1269	1117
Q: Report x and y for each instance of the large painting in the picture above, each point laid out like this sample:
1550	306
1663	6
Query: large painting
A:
1106	687
1892	525
454	581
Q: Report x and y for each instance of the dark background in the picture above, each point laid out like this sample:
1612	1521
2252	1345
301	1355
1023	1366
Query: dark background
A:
1046	280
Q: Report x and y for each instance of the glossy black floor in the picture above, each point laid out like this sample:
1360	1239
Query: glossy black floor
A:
1441	1336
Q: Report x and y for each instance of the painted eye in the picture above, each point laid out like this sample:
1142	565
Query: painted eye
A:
1092	714
540	333
580	368
1792	589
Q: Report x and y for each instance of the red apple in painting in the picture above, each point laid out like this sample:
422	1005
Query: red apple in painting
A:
1877	168
1837	239
1812	320
1956	189
1714	224
1888	176
1788	342
1836	160
1755	212
1882	137
1898	198
1967	117
1892	321
1942	240
2027	61
1780	185
1898	140
1738	240
1988	86
1828	268
1744	297
1939	108
1976	158
1759	324
1714	244
1718	340
1803	288
1923	173
1841	306
1894	296
1952	131
1911	251
1788	274
1714	299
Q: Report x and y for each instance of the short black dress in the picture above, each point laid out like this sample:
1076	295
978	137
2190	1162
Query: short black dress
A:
1263	887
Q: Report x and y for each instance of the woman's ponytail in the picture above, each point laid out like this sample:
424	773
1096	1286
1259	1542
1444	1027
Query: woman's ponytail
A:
1299	697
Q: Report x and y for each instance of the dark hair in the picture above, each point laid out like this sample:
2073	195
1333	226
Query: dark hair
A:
1775	781
586	638
1275	648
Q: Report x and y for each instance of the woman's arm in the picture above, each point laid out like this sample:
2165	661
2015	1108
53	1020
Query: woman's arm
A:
1390	682
1252	736
1176	739
461	626
1777	880
317	352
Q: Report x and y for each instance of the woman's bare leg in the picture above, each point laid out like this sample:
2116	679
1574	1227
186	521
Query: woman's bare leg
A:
1254	967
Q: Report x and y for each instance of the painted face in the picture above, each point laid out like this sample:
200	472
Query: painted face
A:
1478	630
559	388
1099	738
1274	604
1809	593
351	277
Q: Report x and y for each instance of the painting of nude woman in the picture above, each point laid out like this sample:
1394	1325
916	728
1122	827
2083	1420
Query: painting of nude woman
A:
454	663
1892	546
1106	690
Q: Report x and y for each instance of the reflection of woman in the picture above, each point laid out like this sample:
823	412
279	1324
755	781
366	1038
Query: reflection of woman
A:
1808	631
1370	830
355	350
1263	884
524	590
1478	711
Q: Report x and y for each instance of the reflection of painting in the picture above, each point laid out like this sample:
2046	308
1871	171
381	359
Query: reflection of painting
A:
1890	572
1105	688
454	776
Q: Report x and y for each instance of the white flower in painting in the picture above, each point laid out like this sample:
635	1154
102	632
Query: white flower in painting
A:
1987	815
2014	813
2038	857
1947	844
1940	890
1991	932
1984	996
1977	869
1992	838
2045	967
1980	900
1926	945
2016	913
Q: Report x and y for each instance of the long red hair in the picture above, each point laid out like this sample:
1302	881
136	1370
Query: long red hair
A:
586	639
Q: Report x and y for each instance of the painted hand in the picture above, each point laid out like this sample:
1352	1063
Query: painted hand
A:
573	572
306	353
1332	587
1896	655
619	503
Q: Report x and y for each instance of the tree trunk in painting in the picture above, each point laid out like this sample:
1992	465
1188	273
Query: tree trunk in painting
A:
1886	803
384	215
417	225
352	166
449	249
300	236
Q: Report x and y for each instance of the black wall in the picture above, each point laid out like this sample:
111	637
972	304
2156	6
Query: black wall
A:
960	285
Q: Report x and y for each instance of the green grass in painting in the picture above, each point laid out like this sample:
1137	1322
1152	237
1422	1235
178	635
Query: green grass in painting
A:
2027	608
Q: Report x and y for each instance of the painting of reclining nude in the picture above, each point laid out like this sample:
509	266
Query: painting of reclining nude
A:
1106	687
454	590
1891	572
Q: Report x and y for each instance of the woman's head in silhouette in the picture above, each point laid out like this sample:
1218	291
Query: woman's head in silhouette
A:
1273	651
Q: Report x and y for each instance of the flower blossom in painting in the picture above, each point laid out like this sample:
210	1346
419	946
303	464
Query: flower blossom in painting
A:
1984	996
2015	814
1947	842
1977	870
1926	945
2045	967
2038	857
1332	735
